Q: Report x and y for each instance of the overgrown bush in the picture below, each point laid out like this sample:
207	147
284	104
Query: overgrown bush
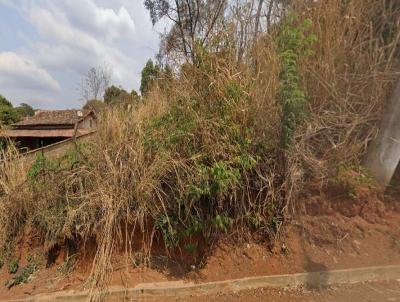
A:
347	80
224	148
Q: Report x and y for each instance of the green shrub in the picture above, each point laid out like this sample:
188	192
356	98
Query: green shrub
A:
294	42
25	273
168	226
351	178
222	222
13	266
41	166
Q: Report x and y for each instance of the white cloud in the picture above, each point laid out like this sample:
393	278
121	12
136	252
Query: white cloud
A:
98	20
80	35
69	21
19	71
65	38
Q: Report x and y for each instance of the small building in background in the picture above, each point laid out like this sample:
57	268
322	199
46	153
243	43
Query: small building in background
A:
47	127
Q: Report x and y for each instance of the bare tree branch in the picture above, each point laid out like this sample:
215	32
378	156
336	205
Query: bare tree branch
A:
95	82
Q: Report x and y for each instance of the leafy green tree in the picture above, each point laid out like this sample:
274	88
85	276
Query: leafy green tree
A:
114	94
25	110
10	115
149	74
4	102
168	71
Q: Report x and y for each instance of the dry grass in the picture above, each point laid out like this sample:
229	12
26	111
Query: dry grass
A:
348	81
203	157
14	194
171	168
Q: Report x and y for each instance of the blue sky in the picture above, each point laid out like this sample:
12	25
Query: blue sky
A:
46	47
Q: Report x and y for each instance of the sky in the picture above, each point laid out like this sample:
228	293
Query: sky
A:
47	46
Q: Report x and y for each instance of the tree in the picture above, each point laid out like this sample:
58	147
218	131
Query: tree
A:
149	74
7	114
95	105
213	25
111	93
4	102
114	94
10	115
240	20
258	17
135	96
25	110
95	82
194	22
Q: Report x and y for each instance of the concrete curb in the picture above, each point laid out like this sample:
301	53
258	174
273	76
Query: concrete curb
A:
180	289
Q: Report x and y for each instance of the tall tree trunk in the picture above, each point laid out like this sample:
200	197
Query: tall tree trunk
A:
270	8
180	25
258	16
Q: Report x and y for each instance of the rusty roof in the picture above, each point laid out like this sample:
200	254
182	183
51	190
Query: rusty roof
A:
44	133
54	117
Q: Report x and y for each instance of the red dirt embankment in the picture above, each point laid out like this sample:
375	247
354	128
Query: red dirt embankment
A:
332	231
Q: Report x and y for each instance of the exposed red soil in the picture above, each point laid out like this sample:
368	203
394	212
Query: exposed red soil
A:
332	231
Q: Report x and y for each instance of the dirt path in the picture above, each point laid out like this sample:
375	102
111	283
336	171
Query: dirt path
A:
363	292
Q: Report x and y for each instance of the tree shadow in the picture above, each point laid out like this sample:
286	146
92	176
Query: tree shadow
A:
318	274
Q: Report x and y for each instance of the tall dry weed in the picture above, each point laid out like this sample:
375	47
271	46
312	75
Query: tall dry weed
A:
348	80
13	193
203	156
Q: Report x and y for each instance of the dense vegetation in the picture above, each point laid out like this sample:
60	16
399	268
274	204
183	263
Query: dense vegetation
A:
10	115
224	139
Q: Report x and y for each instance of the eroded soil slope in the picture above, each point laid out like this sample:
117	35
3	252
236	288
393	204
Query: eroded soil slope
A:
331	231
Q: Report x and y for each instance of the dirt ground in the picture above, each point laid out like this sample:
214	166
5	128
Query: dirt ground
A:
330	232
363	292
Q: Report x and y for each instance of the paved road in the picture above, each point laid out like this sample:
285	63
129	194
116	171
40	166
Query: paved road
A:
363	292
